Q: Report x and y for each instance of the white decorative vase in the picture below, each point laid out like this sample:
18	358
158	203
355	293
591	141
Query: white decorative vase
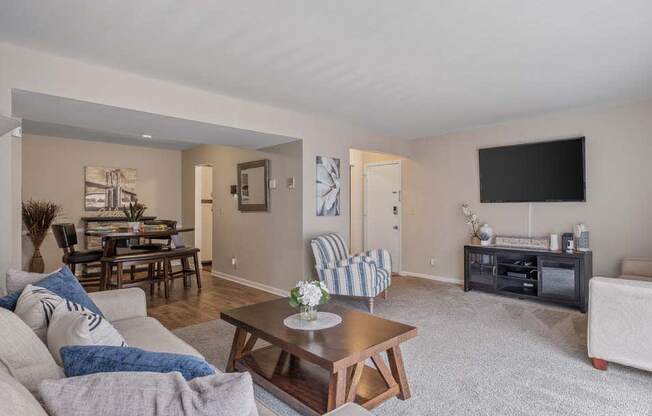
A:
486	234
134	226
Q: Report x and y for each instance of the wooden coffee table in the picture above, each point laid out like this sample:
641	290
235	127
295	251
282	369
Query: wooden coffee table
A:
318	371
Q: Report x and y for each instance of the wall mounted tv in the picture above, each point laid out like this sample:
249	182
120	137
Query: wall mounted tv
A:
534	172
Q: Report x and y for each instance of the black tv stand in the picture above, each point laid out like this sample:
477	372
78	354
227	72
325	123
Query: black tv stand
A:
552	276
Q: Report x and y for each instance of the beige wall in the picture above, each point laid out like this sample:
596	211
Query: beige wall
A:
268	245
619	195
53	169
32	70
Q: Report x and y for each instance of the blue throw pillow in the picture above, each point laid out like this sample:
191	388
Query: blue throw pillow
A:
90	359
62	283
9	301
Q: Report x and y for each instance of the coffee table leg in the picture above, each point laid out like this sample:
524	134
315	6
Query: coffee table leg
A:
337	390
236	348
398	371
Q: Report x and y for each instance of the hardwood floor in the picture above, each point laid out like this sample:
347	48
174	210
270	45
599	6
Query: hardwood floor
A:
189	306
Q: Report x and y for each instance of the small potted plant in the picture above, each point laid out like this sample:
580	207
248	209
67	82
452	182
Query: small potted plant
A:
306	296
134	213
37	217
473	221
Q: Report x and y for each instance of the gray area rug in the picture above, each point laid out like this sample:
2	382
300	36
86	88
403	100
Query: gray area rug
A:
481	354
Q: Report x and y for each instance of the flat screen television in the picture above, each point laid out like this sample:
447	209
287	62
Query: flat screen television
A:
534	172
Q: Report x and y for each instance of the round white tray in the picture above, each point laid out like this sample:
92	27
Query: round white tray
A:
324	320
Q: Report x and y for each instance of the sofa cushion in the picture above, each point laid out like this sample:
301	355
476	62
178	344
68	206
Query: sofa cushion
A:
23	355
35	307
18	279
61	282
146	394
72	324
83	360
15	399
150	335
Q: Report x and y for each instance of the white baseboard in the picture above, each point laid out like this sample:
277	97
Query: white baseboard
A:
445	279
251	283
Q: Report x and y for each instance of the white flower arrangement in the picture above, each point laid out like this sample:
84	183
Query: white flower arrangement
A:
307	293
471	219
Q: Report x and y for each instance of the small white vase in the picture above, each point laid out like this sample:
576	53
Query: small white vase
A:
486	234
134	226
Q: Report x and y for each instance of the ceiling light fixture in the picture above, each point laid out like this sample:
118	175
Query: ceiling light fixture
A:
146	136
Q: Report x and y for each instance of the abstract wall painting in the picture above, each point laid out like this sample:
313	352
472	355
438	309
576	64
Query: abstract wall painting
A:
328	186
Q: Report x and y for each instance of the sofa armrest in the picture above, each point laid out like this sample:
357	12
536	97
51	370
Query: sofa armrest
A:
120	304
637	266
620	312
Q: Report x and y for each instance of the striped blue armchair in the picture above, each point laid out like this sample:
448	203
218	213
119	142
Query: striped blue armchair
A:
365	274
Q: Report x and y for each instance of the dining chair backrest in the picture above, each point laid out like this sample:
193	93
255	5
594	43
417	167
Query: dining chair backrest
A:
66	235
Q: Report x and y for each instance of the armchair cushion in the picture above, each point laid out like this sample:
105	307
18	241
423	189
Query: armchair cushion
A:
355	279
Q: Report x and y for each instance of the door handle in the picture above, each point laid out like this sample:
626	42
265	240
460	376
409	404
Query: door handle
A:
395	227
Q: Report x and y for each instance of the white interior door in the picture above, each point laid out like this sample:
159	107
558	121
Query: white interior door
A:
383	209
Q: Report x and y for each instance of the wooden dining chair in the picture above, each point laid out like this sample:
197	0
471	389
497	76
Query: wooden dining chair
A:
66	236
183	254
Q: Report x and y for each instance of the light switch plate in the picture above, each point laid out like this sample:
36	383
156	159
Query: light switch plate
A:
272	184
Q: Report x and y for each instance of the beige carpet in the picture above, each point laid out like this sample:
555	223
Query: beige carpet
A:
482	354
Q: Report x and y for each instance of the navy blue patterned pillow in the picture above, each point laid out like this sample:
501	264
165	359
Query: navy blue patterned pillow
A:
90	359
62	283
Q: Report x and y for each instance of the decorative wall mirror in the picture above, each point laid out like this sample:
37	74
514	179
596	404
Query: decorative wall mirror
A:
253	192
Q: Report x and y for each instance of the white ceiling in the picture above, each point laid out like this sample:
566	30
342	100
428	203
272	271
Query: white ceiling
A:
408	68
50	115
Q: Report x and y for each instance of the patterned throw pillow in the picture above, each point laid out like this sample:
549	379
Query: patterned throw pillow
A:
35	307
73	324
63	283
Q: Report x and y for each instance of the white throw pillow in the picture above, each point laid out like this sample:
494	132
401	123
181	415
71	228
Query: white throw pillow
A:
18	279
35	307
72	324
22	354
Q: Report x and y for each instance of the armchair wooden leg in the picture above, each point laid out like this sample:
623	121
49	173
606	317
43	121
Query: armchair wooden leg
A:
371	305
600	364
386	294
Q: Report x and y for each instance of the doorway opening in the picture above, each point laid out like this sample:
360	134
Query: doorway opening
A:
204	213
376	206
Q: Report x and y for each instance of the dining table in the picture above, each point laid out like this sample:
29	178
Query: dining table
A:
111	236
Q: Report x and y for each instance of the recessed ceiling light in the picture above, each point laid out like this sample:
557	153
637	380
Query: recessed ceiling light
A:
146	136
